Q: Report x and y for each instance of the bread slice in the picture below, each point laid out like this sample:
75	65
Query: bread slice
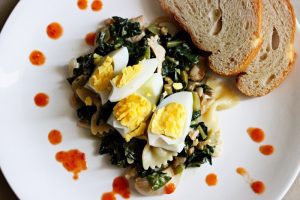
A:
277	55
229	29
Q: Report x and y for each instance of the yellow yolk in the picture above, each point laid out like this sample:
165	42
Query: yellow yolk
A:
169	120
100	79
132	111
88	101
137	132
127	75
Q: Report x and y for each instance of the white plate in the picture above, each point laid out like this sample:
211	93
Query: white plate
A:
28	159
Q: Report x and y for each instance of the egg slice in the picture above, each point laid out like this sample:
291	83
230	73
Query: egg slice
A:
131	79
110	65
131	113
170	123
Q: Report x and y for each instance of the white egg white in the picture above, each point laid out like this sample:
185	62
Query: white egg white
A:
120	60
154	86
148	68
176	145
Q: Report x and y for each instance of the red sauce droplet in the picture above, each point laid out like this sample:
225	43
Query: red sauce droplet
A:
97	5
82	4
37	58
211	179
256	134
266	150
41	99
258	187
241	171
108	196
90	38
55	137
170	188
73	161
121	187
54	30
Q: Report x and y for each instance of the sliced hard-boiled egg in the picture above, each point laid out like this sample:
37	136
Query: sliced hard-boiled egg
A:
131	79
109	66
170	123
131	113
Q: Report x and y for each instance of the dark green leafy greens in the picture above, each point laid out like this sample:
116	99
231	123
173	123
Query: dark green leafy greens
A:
85	113
158	179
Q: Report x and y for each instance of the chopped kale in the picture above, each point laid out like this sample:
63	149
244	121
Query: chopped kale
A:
200	157
158	180
105	112
121	151
85	113
196	114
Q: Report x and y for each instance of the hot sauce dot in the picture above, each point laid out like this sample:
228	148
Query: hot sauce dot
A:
121	187
108	196
41	99
256	134
170	188
211	179
55	137
266	150
82	4
90	38
54	30
73	161
97	5
37	58
241	171
258	187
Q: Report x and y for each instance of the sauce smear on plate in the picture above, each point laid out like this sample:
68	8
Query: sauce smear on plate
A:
211	179
170	188
54	30
266	150
120	186
90	38
258	187
82	4
55	137
73	161
37	58
97	5
41	99
256	134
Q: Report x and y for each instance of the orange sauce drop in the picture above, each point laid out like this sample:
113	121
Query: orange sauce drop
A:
108	196
241	171
90	38
256	134
121	187
82	4
258	187
55	137
211	179
97	5
73	161
54	30
41	99
266	150
170	188
37	58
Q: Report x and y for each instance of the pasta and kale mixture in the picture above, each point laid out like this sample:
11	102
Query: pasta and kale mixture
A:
145	93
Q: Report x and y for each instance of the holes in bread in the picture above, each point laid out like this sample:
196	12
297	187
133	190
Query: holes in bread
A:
263	57
270	79
216	19
255	82
247	25
232	60
268	48
275	39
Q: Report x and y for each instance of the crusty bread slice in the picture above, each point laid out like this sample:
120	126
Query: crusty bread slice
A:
276	57
229	29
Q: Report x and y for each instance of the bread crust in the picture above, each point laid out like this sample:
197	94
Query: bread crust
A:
248	59
257	93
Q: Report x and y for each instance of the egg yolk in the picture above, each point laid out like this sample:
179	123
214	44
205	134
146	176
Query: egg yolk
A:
132	111
127	75
169	120
100	79
137	132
